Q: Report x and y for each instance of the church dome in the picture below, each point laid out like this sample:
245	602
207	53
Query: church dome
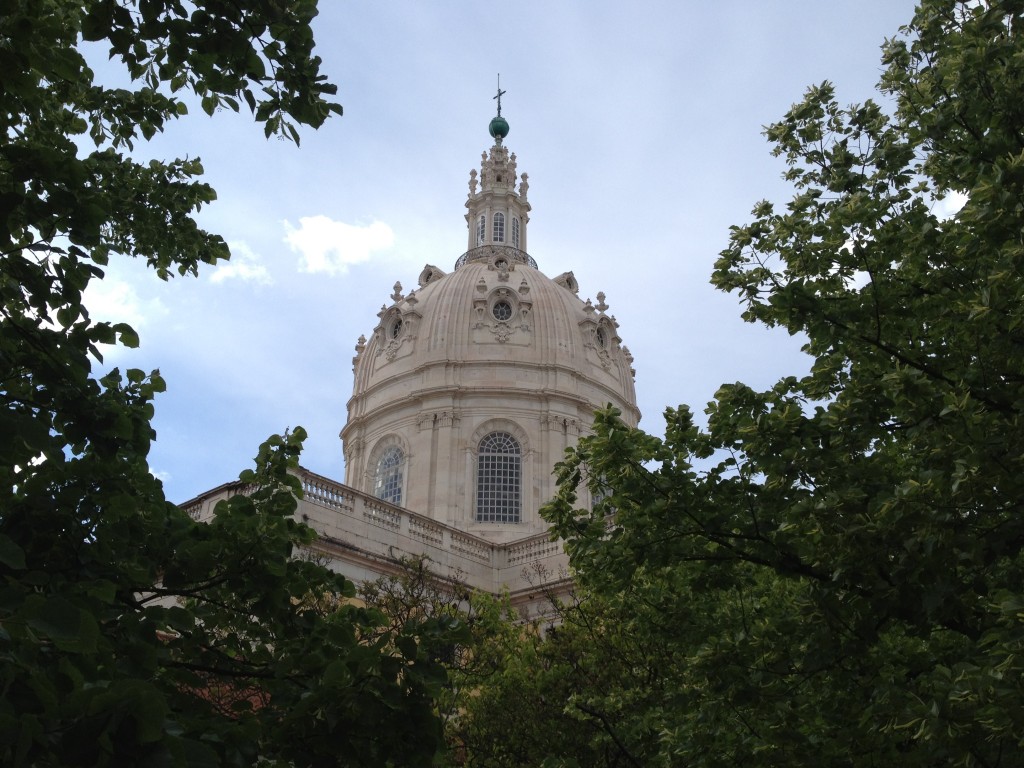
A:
496	326
472	385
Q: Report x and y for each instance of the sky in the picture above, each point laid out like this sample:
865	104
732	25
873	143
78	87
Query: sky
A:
639	124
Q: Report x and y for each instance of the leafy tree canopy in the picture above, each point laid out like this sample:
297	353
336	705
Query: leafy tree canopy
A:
129	634
837	561
582	690
488	639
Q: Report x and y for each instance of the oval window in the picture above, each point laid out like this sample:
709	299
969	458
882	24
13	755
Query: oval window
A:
502	310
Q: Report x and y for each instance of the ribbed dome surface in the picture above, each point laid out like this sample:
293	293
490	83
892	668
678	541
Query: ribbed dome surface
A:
494	324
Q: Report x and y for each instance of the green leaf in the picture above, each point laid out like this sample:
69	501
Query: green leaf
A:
126	335
11	555
407	646
69	628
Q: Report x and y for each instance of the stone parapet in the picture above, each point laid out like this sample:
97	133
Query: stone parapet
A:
363	538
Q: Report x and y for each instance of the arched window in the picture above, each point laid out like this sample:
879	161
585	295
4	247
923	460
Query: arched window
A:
515	231
499	227
481	229
498	479
388	484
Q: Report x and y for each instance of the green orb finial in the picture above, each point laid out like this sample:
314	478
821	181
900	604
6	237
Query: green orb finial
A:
499	125
498	128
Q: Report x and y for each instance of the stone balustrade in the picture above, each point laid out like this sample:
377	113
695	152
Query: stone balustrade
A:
364	537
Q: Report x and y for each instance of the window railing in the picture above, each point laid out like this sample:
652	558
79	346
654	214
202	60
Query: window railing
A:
486	252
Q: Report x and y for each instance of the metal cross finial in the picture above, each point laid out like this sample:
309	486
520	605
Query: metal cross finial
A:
500	94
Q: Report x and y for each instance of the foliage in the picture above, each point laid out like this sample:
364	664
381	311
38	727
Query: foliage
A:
482	630
562	692
839	559
130	634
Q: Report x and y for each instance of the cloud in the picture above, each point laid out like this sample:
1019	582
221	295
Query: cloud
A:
244	265
114	300
325	245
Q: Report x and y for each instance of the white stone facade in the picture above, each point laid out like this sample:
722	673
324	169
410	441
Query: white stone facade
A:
364	538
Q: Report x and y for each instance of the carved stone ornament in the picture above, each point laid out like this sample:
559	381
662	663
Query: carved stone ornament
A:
429	274
479	308
360	348
524	316
568	281
502	331
392	331
446	419
501	265
556	423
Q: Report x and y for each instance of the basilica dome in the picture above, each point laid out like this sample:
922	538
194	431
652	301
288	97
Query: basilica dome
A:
473	384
